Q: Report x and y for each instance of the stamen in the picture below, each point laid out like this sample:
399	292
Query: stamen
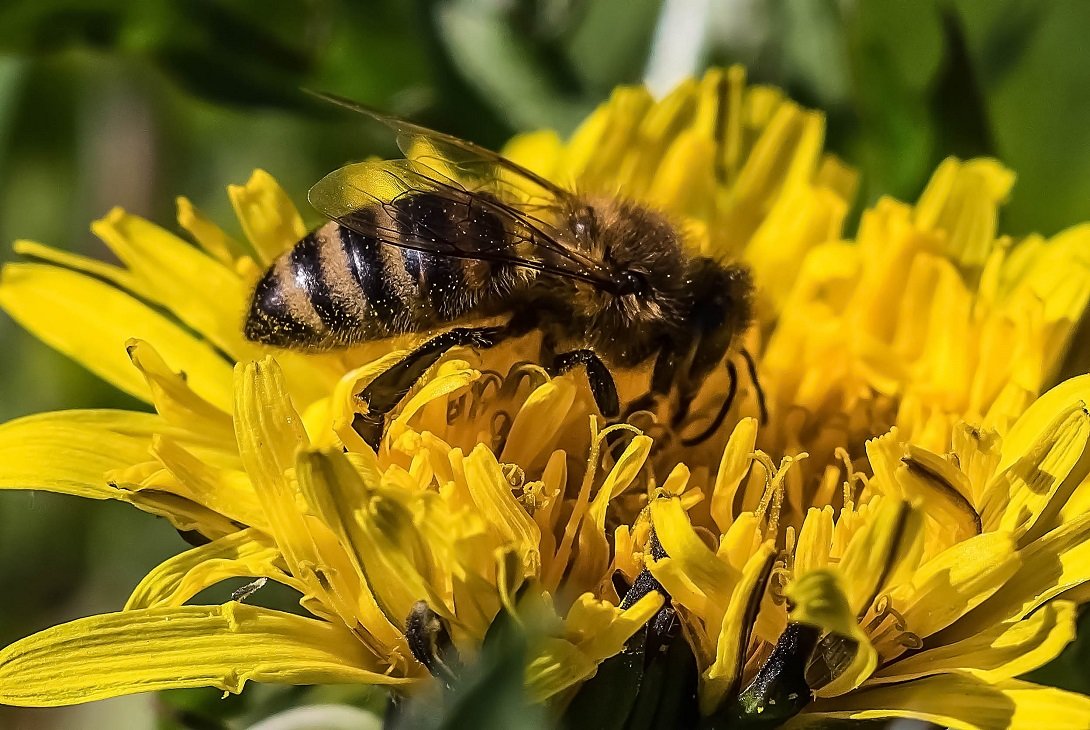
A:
514	475
851	478
499	427
481	396
841	453
771	503
888	626
455	408
774	514
520	372
770	469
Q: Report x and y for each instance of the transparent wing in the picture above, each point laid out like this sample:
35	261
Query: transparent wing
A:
410	204
470	163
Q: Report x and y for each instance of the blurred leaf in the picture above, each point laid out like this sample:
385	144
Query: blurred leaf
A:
897	51
31	26
1030	59
611	43
547	63
231	52
1069	670
377	53
489	695
651	685
525	82
815	52
321	717
237	52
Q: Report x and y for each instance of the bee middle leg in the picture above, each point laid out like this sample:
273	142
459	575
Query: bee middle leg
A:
387	390
662	381
602	386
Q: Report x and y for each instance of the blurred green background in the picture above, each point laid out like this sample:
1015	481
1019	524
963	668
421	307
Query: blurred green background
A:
109	102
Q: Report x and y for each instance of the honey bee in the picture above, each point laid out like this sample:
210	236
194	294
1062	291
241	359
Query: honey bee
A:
454	235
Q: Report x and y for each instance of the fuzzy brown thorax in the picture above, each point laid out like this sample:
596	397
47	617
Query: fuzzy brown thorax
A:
643	251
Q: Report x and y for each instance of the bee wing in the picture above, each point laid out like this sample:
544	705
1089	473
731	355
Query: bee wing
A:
350	194
470	161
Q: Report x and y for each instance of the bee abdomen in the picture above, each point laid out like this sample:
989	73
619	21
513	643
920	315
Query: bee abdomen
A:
319	279
448	285
328	290
338	286
281	313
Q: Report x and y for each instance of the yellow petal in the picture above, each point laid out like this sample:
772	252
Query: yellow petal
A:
200	291
604	628
597	147
381	538
802	218
685	181
977	452
1036	486
246	553
269	433
724	676
557	664
268	217
999	652
537	426
712	577
818	599
450	377
32	251
1055	563
226	491
962	199
207	234
735	464
69	452
183	513
620	477
591	561
91	322
814	541
173	398
960	702
492	495
955	581
1039	417
186	646
876	551
537	151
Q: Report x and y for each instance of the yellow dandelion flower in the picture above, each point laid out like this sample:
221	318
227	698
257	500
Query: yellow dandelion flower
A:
903	537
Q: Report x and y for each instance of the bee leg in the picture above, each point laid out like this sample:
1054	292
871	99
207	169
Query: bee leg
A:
387	390
724	409
662	380
601	381
751	369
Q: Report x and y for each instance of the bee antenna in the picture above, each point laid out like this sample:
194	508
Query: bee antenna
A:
751	369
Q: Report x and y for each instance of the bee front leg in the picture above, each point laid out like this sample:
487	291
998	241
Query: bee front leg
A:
387	390
602	386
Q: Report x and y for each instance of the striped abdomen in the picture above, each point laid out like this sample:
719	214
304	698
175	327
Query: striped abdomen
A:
336	286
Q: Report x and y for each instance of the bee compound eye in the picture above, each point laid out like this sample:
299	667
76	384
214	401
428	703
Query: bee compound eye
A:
633	282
